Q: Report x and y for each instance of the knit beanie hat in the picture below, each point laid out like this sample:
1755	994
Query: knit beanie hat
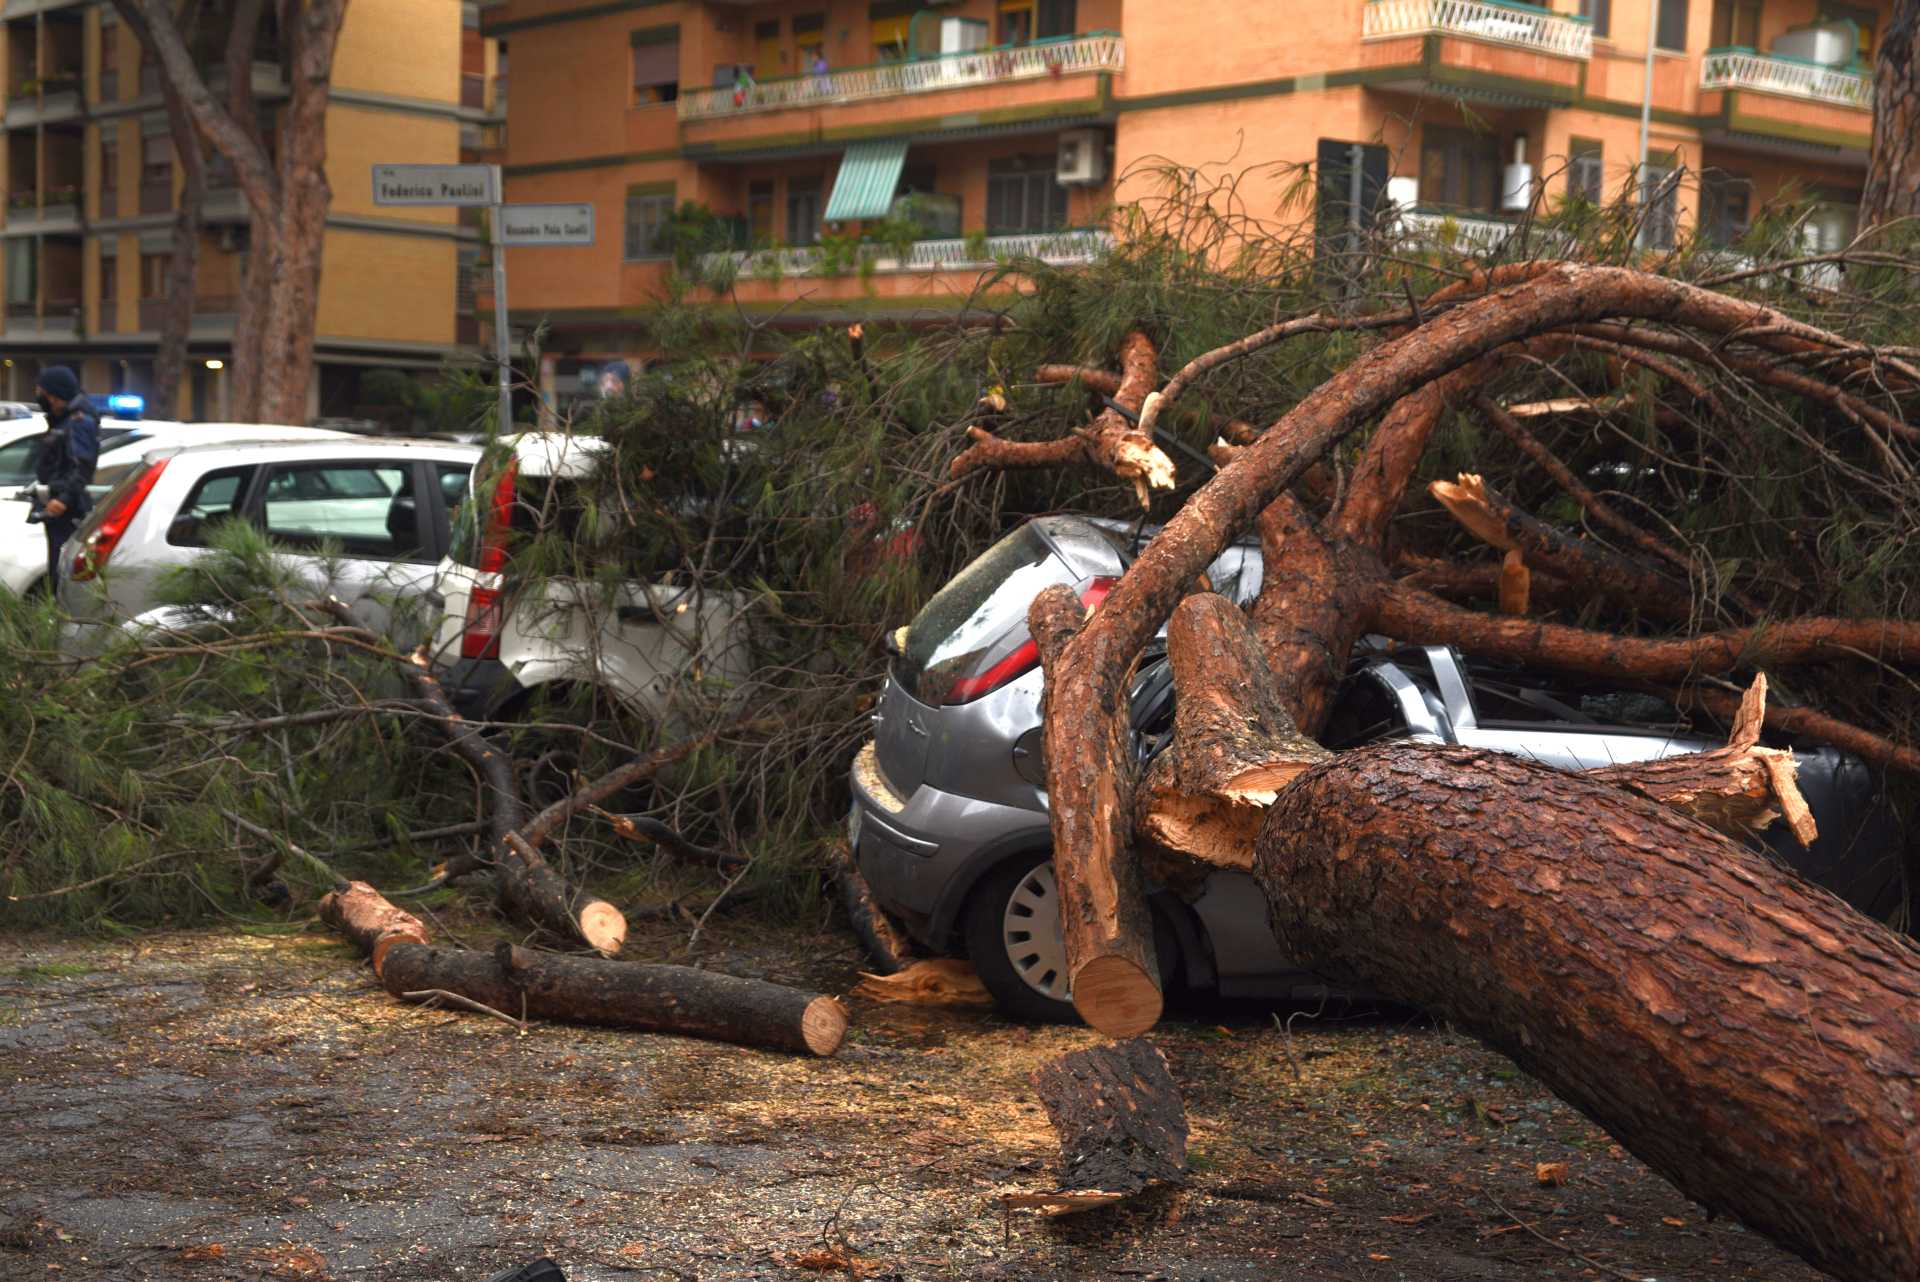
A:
58	380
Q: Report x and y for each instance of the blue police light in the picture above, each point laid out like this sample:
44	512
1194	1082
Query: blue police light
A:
126	405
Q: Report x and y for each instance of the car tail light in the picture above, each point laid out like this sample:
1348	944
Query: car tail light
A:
122	506
481	638
493	545
1021	661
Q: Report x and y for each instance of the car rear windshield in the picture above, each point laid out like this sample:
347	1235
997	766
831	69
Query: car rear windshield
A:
978	616
540	504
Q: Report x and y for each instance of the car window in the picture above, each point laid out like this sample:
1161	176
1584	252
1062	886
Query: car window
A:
365	509
19	458
215	497
454	480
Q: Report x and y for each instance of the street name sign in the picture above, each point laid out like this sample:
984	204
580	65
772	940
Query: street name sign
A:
435	185
544	225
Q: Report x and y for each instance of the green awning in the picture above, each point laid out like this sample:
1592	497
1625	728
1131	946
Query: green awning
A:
869	175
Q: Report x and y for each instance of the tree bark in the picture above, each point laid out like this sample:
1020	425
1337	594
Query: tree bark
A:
1121	1124
1893	167
588	990
1234	742
1745	1034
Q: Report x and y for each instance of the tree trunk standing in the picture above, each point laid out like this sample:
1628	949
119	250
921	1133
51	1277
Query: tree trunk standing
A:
288	205
183	267
1744	1033
1893	171
287	336
250	309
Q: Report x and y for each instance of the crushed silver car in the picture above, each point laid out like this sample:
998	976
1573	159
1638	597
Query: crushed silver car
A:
949	818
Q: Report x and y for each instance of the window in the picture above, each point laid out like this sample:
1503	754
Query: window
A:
1864	22
810	34
215	497
109	178
153	275
455	480
23	272
1600	13
803	211
1054	18
156	174
1016	22
656	65
1459	169
888	22
109	61
367	510
1736	23
760	212
20	458
1586	172
1660	202
648	214
769	56
1670	30
1725	201
1022	196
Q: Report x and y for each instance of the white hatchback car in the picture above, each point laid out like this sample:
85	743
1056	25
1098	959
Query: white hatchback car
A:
123	443
365	519
500	648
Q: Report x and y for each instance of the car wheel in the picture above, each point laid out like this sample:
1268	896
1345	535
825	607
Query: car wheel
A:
559	738
1012	930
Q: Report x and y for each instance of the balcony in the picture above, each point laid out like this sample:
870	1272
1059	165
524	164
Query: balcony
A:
1517	26
1786	106
38	102
1771	73
1509	53
1059	247
1099	51
60	212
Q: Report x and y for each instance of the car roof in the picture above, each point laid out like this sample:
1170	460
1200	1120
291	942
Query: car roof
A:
151	435
334	445
561	454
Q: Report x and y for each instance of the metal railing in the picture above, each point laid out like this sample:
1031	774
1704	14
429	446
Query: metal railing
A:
1062	247
1770	73
1069	55
1522	26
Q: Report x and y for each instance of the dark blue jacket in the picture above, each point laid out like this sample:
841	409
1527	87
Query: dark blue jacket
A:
71	453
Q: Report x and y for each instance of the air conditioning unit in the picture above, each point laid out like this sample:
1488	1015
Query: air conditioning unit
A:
1082	158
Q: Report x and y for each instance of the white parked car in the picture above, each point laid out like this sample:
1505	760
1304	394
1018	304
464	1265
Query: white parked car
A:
365	519
502	648
123	442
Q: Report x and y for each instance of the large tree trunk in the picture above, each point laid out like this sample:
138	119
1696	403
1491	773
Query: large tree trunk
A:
1893	171
287	339
1744	1033
183	268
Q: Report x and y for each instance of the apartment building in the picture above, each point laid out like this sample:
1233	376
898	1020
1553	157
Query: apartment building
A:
92	185
1001	126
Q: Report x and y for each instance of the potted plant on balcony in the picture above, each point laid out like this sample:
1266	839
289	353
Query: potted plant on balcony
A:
27	88
22	200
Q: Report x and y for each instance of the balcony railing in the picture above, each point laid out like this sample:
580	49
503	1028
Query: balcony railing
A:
1059	247
1479	233
1521	26
1771	73
1069	55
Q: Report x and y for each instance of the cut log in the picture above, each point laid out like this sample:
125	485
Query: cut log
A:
884	942
619	994
1748	1036
1516	583
531	890
1234	742
364	915
1121	1124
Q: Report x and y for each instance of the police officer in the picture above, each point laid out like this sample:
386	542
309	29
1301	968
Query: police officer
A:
67	459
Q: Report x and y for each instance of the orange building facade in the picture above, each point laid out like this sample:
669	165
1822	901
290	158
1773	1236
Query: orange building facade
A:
876	158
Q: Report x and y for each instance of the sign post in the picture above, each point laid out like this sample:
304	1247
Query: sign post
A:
481	185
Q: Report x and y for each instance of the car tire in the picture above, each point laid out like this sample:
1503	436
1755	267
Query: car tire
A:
1025	969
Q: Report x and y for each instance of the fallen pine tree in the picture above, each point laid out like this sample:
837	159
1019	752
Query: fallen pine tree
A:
1751	1037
